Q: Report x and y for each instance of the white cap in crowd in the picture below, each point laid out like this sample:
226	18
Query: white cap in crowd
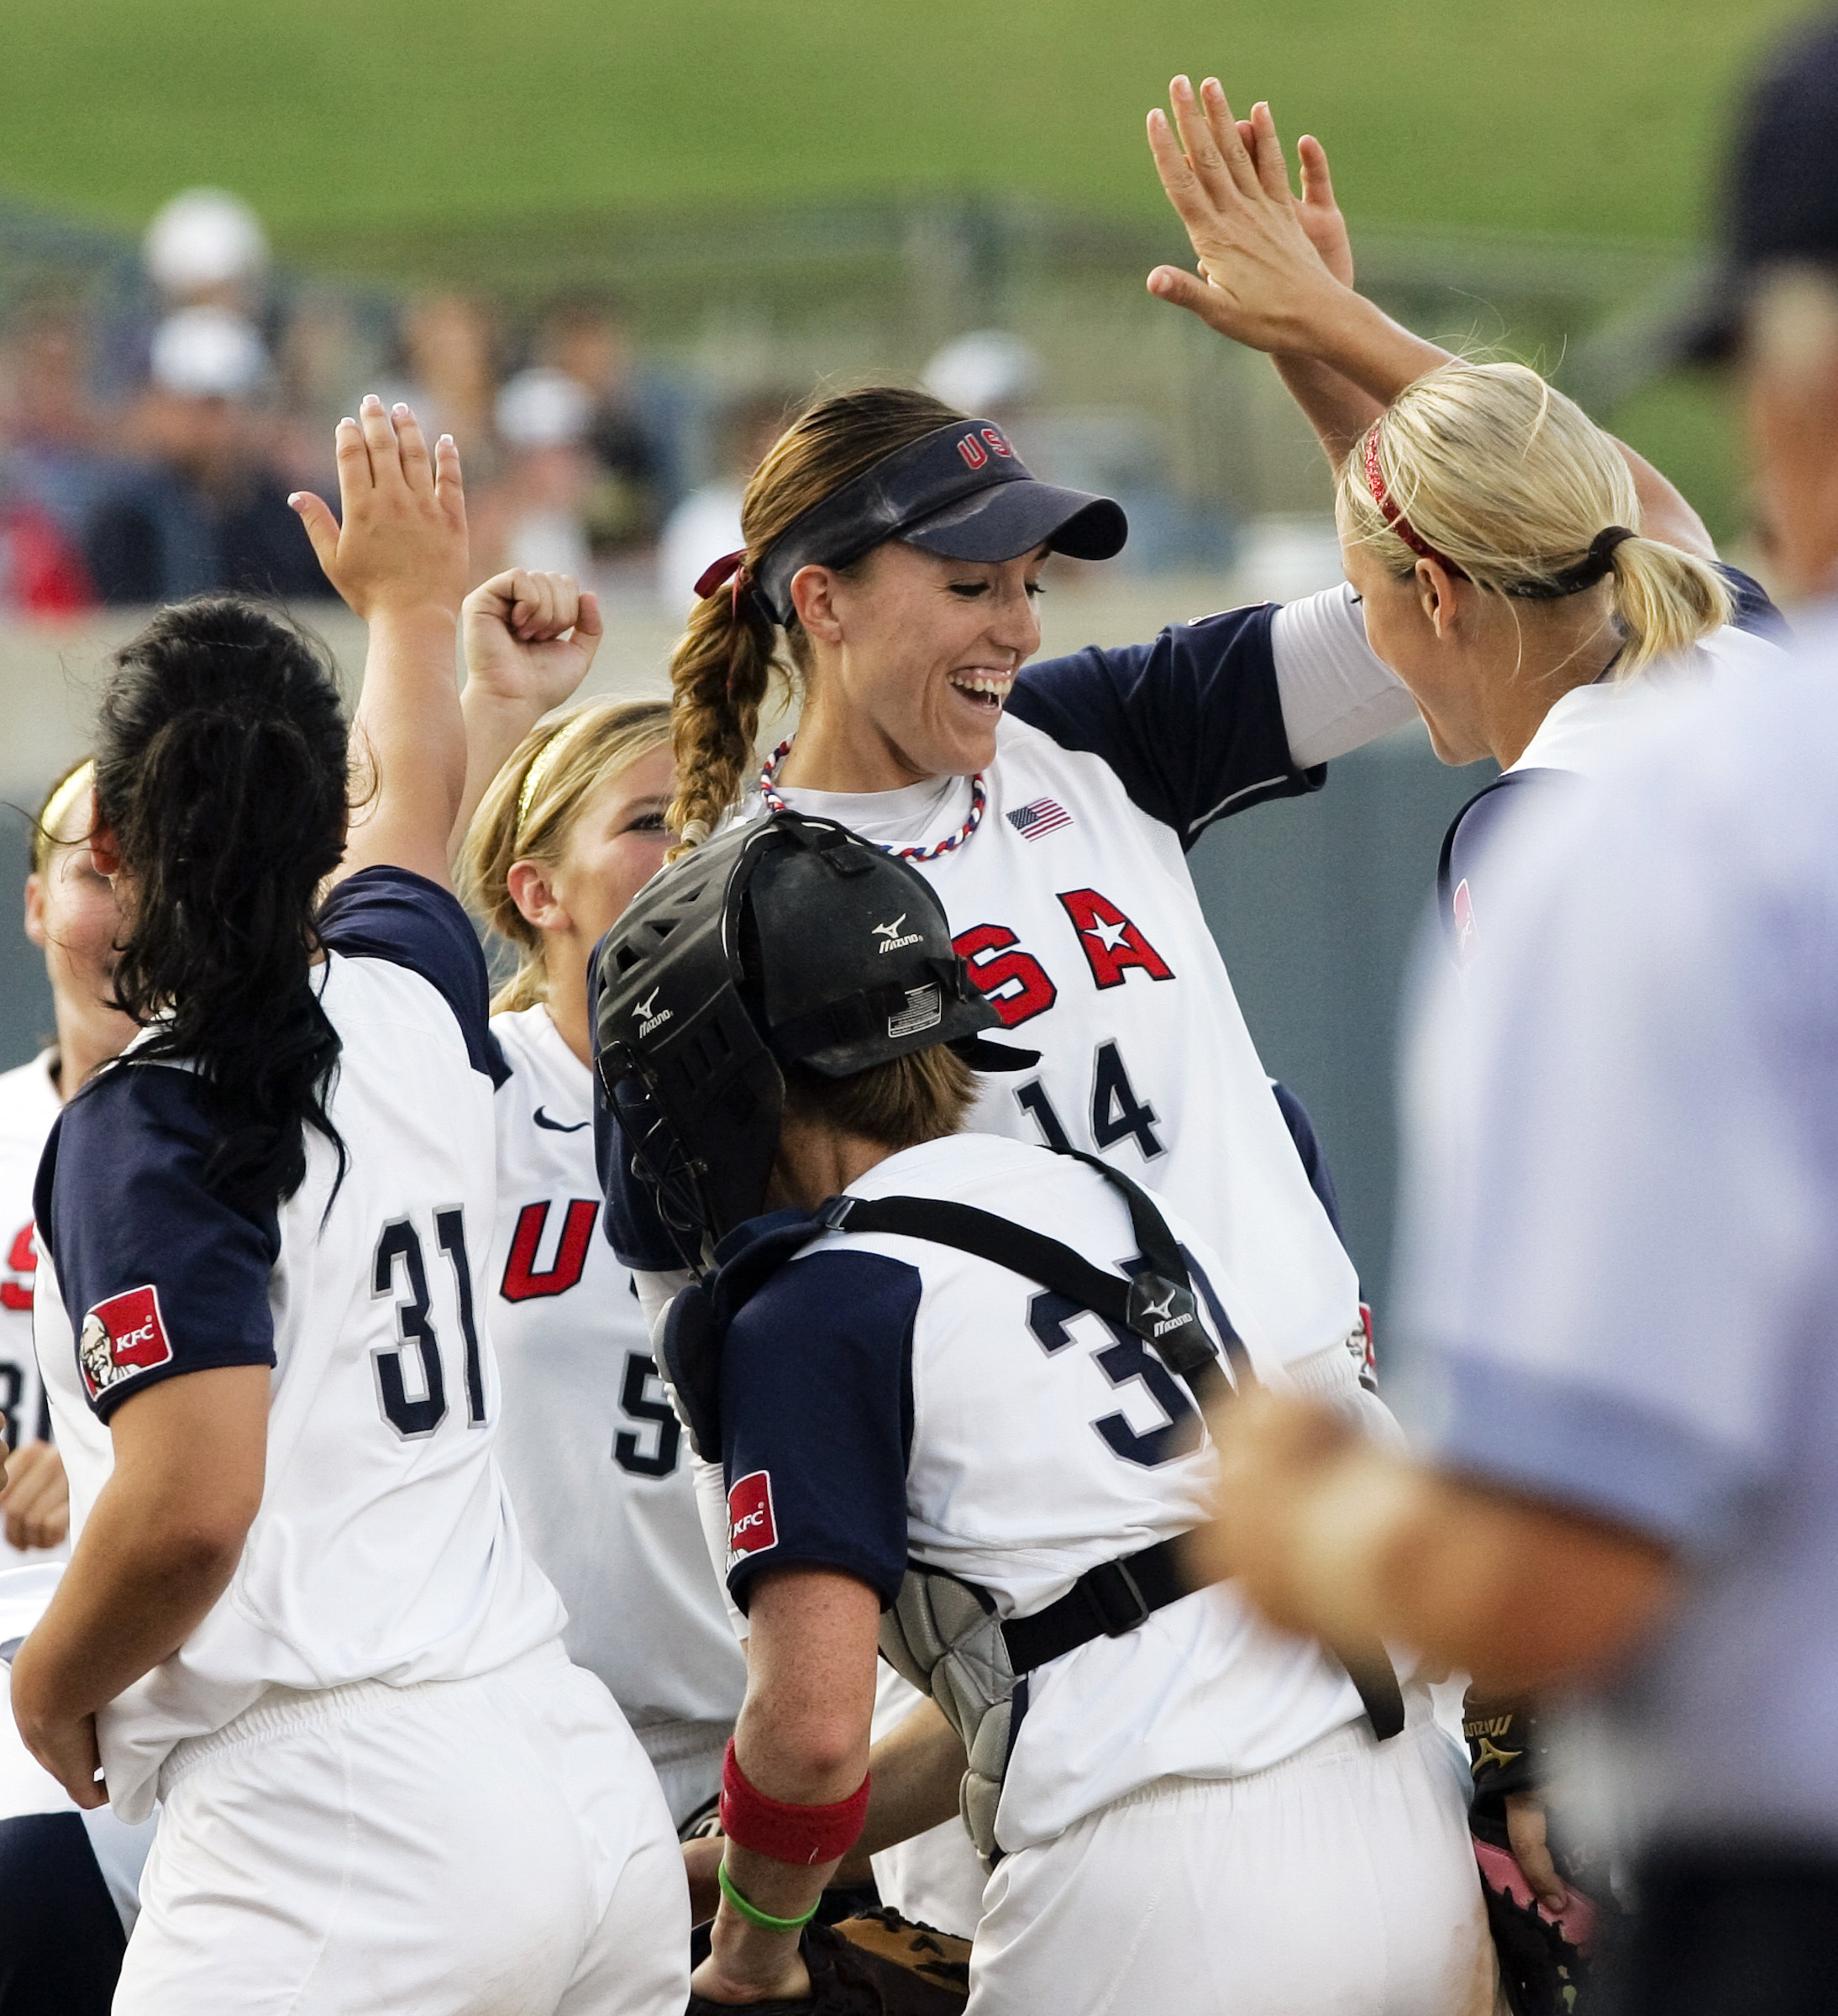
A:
543	408
209	354
983	371
202	239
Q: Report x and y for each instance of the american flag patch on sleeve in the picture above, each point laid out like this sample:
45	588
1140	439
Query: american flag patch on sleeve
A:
1043	815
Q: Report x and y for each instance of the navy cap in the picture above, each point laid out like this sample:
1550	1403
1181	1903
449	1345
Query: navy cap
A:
960	490
1781	204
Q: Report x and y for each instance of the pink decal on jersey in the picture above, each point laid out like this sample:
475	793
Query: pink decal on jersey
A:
23	1263
1015	982
1467	930
521	1283
122	1337
1110	943
750	1526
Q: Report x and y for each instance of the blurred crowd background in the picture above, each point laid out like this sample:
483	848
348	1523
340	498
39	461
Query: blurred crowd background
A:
611	265
160	398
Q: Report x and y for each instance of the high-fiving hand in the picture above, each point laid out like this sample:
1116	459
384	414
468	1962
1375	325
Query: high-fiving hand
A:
1271	266
401	547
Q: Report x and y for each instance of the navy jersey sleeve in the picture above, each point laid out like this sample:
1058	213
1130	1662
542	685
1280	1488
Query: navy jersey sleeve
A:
158	1276
1308	1146
1755	611
1192	724
394	914
817	1421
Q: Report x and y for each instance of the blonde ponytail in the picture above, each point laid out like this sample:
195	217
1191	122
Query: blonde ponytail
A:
724	668
1505	481
1665	601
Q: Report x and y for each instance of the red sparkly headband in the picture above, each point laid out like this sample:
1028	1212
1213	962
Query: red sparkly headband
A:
1375	482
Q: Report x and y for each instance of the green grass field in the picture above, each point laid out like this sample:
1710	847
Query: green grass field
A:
1529	116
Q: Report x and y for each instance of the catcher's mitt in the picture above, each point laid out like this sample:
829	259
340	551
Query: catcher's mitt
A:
877	1965
1545	1959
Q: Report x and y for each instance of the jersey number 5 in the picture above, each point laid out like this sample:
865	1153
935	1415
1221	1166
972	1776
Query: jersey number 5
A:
643	1399
413	1392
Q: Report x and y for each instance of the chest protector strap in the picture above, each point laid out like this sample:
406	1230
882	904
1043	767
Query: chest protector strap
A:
1158	1306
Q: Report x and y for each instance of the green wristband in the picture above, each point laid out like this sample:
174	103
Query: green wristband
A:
752	1912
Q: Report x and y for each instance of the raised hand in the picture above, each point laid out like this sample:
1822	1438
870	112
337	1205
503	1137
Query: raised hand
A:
530	638
401	547
399	559
1316	207
1262	280
1320	214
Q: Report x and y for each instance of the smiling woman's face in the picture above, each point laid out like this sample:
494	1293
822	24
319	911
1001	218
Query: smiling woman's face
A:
915	655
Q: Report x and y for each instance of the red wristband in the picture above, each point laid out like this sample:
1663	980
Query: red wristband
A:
802	1835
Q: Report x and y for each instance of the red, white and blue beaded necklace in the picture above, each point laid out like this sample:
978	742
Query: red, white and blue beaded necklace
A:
979	798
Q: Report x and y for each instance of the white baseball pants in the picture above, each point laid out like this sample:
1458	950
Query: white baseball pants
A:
1339	1882
489	1847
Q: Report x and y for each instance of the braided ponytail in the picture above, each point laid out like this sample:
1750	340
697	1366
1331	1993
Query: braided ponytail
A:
720	676
725	666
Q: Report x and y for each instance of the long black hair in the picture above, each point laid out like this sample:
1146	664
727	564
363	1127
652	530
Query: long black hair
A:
221	772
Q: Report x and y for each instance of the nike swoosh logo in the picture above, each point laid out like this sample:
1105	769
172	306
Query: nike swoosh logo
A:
555	1126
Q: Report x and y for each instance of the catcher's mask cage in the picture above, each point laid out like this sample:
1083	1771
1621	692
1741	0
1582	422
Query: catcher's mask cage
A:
783	940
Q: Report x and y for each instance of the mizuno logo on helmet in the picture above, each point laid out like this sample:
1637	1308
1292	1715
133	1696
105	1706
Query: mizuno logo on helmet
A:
650	1016
890	934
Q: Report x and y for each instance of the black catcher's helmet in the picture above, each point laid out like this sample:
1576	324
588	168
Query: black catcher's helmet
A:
782	941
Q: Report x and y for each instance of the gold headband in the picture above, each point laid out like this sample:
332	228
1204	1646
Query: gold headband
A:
58	808
541	765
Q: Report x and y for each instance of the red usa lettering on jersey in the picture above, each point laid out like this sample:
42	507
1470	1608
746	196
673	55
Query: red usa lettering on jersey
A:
1015	982
521	1283
1110	943
1019	986
751	1528
123	1336
21	1268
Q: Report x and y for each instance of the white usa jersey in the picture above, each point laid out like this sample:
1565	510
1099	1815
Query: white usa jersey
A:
384	1548
1073	905
885	1398
28	1104
1580	740
597	1465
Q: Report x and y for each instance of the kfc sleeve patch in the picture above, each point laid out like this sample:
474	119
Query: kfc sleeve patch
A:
751	1528
121	1337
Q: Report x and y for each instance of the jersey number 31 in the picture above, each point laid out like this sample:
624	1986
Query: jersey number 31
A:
411	1382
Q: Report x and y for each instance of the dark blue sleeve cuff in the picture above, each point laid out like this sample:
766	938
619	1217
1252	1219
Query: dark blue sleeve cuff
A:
1583	1447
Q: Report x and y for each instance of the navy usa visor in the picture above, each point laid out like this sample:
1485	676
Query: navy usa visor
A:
961	491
